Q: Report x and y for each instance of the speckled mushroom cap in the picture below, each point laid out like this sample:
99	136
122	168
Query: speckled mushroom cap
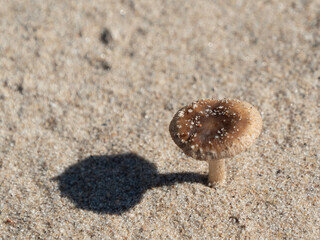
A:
214	129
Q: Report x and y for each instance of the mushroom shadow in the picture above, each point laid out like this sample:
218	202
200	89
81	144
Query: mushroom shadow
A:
114	184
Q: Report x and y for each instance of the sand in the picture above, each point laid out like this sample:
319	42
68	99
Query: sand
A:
87	92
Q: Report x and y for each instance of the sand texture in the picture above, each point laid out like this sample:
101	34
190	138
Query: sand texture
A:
87	92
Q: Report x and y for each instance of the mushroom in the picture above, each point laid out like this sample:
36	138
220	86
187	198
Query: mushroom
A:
213	130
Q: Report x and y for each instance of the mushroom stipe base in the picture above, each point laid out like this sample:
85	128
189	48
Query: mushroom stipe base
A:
216	172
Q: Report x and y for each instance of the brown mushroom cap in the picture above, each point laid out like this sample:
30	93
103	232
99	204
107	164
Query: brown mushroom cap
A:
214	129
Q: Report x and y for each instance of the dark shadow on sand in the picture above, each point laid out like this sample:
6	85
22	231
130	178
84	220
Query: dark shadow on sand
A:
116	183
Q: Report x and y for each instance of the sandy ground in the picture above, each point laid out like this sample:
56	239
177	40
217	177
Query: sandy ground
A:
87	91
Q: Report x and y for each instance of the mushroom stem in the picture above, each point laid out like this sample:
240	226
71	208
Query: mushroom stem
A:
216	171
